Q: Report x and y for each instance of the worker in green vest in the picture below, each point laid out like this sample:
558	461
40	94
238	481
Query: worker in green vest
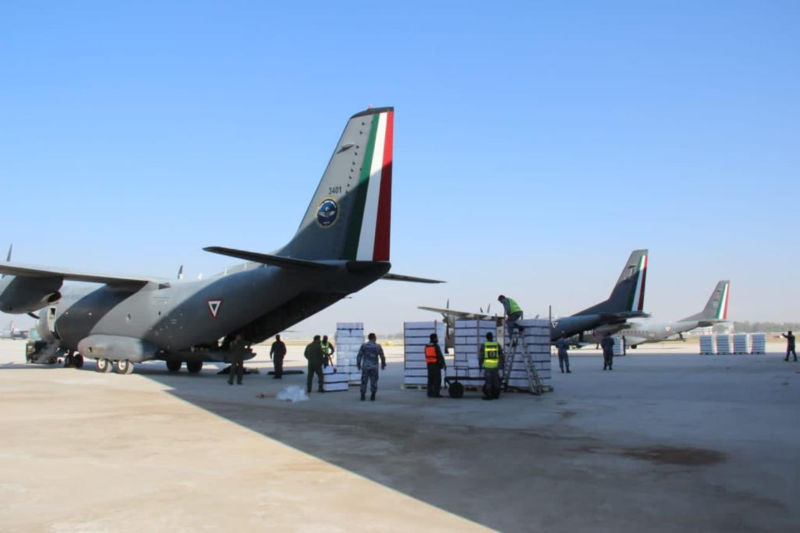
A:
490	358
513	314
327	351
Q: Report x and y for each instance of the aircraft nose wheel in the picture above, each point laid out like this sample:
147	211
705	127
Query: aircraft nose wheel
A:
123	367
103	365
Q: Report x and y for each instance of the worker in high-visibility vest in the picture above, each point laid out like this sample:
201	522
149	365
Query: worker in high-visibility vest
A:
435	363
327	351
513	314
490	358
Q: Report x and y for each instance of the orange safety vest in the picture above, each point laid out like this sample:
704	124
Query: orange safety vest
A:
430	353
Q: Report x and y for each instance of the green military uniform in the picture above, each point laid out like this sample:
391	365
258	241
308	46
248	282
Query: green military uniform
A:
315	357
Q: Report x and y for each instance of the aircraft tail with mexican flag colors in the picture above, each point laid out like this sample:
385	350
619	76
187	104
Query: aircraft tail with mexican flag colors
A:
627	297
716	309
349	217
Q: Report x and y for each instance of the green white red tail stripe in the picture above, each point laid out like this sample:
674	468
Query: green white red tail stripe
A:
637	303
368	238
722	309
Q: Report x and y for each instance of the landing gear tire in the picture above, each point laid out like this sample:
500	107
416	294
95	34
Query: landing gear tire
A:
69	360
455	390
194	366
174	365
123	367
77	360
103	365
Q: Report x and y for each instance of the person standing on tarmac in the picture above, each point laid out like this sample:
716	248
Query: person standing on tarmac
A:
277	352
314	356
367	362
789	345
607	343
236	350
435	362
513	314
490	358
563	356
327	351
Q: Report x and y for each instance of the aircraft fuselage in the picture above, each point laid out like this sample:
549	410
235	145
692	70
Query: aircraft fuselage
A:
256	301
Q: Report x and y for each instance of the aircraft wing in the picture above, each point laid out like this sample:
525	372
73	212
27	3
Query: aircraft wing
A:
29	271
268	259
458	314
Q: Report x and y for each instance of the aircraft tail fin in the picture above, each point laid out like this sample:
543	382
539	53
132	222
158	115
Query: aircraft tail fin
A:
350	213
628	293
716	309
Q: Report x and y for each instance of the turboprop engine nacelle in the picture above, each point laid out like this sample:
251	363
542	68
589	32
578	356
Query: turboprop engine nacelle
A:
25	295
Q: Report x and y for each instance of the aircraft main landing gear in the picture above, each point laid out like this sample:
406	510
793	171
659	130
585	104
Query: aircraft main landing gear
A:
194	366
174	365
73	359
103	365
123	367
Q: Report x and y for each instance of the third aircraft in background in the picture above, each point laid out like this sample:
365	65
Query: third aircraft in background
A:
716	310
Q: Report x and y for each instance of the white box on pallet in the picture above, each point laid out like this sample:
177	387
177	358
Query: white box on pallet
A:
706	345
349	338
723	344
416	336
758	343
740	344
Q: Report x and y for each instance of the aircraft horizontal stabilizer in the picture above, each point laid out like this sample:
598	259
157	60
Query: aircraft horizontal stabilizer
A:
400	277
72	275
267	259
623	315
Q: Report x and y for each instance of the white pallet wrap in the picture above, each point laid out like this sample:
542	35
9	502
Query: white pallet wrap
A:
415	336
619	348
740	344
758	343
537	339
723	343
706	345
349	338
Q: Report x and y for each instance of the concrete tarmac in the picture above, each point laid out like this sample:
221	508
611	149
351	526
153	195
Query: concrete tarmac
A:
667	441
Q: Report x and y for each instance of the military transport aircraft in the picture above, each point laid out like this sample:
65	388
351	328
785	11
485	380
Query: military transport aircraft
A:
626	301
638	332
341	246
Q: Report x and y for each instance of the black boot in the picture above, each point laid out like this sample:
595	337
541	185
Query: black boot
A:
372	397
363	396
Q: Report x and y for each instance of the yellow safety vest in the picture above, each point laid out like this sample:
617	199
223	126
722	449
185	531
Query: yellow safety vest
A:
513	307
491	354
326	349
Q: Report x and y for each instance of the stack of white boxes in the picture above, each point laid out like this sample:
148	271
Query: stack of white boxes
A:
723	344
619	347
469	335
334	380
740	344
758	343
537	339
349	338
706	345
415	336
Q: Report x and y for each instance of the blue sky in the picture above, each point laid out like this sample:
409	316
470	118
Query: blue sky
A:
536	143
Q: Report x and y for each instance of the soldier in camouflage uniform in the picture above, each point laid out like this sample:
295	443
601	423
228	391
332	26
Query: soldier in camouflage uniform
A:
367	362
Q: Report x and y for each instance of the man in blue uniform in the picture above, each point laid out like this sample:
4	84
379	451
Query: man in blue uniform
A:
367	362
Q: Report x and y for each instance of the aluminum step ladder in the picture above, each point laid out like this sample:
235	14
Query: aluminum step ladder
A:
520	347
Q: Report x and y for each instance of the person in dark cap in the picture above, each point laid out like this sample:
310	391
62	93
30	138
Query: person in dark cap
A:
435	362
